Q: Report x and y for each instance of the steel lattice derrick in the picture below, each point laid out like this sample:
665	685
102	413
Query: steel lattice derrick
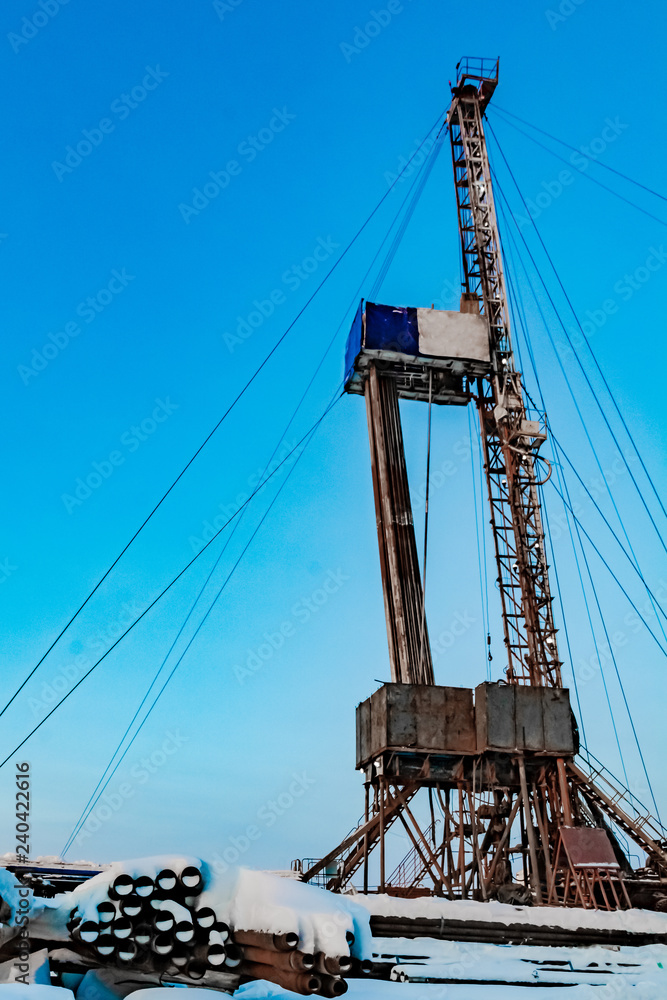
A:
509	449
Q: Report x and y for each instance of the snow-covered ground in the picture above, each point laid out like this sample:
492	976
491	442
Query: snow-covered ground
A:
425	959
420	968
375	990
637	921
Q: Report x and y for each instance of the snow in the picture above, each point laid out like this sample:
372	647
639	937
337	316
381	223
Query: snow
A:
428	958
243	898
35	969
433	908
165	993
17	991
255	900
247	899
365	989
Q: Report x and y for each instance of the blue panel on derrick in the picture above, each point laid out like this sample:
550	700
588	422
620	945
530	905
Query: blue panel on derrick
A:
430	353
391	328
354	341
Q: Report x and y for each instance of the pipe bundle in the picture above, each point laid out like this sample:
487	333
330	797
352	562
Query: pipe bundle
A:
164	924
278	959
156	924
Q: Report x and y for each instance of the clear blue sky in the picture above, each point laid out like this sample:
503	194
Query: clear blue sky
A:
300	129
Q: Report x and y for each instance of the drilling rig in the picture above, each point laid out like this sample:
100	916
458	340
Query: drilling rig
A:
521	817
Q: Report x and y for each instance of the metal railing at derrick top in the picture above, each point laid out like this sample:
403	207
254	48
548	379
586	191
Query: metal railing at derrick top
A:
477	68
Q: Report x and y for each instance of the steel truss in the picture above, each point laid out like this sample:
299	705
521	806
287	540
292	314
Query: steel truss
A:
477	827
488	809
510	441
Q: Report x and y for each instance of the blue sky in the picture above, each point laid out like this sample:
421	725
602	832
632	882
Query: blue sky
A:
143	290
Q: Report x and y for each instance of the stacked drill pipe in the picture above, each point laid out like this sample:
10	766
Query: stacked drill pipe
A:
158	925
165	925
278	959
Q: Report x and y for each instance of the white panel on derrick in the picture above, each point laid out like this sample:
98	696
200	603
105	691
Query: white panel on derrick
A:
444	334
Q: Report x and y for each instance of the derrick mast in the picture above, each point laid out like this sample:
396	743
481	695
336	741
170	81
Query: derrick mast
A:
509	438
512	813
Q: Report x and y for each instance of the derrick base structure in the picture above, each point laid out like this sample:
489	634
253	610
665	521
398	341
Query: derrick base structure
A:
402	722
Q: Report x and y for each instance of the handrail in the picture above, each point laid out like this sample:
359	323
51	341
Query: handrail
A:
597	772
406	871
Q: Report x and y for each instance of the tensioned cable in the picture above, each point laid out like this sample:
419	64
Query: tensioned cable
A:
631	556
321	362
552	435
604	626
522	326
590	386
282	437
593	180
586	341
169	586
563	617
516	300
574	149
92	802
568	510
612	574
224	416
616	669
430	162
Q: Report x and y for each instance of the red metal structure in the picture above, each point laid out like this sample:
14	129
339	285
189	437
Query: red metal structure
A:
513	814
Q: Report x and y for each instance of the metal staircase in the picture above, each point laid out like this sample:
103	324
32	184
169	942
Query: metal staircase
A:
596	783
411	870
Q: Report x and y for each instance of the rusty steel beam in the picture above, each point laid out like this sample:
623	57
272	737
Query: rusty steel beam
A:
407	635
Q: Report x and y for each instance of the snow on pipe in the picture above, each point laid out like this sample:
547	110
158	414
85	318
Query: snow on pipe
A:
298	982
183	917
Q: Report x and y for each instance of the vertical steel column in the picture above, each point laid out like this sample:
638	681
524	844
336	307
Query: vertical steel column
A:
409	648
530	831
